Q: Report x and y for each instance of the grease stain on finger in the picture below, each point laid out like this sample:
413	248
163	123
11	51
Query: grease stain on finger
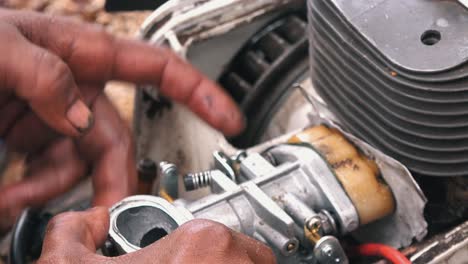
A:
80	116
208	99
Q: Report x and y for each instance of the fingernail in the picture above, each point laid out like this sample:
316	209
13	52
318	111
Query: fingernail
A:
80	116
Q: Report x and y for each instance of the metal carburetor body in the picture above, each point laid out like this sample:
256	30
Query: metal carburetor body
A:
290	195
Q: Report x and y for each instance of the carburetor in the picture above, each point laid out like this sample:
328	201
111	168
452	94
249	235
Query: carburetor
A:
298	195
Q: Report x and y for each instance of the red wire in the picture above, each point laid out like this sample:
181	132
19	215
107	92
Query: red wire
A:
380	250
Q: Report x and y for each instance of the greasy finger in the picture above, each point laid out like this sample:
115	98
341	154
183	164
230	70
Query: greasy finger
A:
21	139
95	56
197	241
44	81
11	110
109	148
257	251
76	234
51	174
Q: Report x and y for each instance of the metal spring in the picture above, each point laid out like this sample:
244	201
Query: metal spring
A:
198	180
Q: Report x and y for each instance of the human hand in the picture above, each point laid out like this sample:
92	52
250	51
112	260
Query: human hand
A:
52	73
74	237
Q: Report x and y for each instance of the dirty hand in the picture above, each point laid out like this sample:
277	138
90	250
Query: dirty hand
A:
75	236
52	74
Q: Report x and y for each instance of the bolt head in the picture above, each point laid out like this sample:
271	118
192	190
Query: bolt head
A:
327	250
314	223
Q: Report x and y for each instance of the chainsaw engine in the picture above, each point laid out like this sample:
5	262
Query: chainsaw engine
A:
345	102
378	69
298	196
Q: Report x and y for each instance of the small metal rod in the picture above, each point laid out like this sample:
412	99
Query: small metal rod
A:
169	181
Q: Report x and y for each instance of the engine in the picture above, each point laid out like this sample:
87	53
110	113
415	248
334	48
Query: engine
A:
298	195
380	87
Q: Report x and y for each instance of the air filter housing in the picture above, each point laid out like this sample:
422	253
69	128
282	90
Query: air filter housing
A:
396	74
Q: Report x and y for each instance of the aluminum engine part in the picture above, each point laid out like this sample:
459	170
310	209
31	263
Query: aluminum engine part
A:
396	79
289	198
137	221
272	204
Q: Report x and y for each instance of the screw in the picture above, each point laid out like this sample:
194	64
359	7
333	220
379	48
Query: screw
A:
314	223
328	225
327	250
291	247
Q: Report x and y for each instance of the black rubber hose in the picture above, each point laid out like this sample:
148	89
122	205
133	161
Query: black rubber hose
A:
27	237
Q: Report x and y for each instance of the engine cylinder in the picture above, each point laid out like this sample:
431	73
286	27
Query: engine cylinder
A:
397	80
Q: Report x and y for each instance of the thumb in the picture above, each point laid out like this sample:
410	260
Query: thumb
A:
44	81
73	234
